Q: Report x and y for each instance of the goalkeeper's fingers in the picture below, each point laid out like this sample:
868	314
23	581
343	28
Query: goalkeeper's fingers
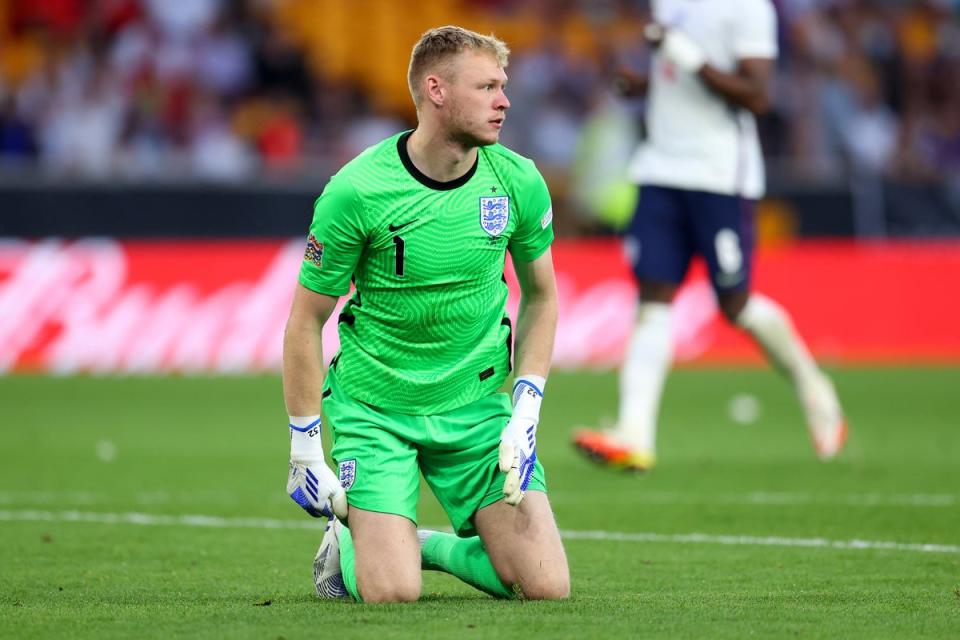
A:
512	493
339	502
336	496
509	464
508	456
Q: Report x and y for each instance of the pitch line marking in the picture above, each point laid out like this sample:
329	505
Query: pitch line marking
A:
787	498
750	498
217	522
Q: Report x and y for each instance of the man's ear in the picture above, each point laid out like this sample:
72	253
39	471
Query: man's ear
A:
436	90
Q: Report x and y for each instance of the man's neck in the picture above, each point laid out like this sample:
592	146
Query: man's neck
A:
437	156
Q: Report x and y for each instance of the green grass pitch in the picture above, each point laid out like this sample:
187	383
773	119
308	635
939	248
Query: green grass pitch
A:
740	532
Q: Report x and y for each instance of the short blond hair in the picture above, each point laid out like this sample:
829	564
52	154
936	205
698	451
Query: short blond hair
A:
437	46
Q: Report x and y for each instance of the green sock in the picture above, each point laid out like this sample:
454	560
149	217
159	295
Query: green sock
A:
347	554
464	558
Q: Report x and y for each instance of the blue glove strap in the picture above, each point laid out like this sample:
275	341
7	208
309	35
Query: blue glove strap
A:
518	389
315	423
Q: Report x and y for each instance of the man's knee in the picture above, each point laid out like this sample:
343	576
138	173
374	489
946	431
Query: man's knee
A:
552	587
543	580
657	291
731	304
382	591
387	557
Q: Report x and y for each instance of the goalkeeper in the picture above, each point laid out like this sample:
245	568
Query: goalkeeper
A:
422	223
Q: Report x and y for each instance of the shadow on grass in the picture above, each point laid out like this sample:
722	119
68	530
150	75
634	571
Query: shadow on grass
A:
442	599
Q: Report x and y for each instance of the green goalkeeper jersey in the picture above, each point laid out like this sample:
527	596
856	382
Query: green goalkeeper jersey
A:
426	329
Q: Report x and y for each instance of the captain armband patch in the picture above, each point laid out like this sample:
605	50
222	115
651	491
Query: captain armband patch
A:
547	218
314	254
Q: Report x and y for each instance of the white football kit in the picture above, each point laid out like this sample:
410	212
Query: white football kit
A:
695	139
700	169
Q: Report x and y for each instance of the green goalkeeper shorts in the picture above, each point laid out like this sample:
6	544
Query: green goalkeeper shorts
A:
379	454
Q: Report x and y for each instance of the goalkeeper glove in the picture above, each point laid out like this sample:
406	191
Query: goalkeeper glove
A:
312	484
518	442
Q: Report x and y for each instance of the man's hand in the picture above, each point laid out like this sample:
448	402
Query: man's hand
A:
518	442
677	47
627	84
312	484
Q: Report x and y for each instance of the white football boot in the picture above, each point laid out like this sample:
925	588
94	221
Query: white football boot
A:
825	420
327	575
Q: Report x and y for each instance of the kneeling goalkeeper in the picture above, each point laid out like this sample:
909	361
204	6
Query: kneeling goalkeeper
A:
422	223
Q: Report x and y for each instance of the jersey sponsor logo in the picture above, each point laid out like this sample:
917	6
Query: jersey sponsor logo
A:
397	227
494	214
348	473
547	218
314	254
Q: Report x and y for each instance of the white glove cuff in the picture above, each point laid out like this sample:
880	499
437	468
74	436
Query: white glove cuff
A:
305	442
527	396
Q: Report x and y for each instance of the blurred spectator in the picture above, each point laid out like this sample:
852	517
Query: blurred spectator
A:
224	60
870	134
155	88
550	93
216	152
183	19
16	136
280	65
280	139
59	16
83	126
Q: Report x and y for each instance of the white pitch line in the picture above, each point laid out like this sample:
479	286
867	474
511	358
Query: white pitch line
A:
217	522
149	519
760	541
753	498
781	499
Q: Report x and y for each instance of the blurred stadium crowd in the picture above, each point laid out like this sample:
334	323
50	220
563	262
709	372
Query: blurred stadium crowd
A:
290	89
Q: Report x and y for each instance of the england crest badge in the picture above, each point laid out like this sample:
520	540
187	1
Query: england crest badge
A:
494	214
348	473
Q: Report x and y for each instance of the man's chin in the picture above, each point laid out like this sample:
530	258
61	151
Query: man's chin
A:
489	139
484	139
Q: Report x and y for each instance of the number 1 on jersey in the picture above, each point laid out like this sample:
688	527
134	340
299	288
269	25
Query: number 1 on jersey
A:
398	241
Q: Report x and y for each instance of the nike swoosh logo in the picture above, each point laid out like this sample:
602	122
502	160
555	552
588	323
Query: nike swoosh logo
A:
397	227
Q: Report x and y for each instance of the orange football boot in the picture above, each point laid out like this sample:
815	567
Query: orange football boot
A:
606	451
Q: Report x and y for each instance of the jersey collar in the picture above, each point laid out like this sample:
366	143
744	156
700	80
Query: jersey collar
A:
426	180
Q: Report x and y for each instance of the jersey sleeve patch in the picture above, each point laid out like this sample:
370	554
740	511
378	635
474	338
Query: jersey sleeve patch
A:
534	232
544	221
314	253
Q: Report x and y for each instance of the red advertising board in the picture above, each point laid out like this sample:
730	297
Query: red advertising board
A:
100	305
883	302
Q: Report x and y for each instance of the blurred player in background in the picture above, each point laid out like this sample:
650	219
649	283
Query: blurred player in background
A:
701	172
422	222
